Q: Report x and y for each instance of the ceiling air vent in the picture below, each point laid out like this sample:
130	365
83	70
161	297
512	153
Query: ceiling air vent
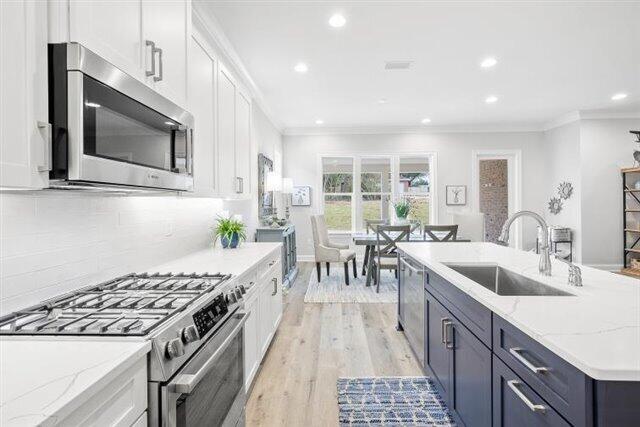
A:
397	65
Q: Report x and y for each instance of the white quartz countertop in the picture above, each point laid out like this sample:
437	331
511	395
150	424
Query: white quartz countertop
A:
217	260
597	330
43	380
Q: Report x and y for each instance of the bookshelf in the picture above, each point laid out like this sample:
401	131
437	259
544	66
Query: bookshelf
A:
631	221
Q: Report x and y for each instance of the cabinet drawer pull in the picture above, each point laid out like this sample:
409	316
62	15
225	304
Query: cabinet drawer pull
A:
152	72
46	166
275	287
160	75
513	385
448	341
443	325
515	352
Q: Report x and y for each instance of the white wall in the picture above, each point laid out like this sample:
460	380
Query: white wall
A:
454	151
562	146
606	146
52	242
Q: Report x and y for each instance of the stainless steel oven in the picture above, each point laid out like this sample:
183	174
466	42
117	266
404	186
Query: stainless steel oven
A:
111	129
209	389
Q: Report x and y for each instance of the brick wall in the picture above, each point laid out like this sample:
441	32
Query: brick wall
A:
494	196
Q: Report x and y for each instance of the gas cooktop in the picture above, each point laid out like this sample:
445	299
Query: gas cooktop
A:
131	305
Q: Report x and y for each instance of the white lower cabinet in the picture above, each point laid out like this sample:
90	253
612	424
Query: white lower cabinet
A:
264	306
120	403
142	421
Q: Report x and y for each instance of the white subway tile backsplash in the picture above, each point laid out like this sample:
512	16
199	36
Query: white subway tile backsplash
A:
54	242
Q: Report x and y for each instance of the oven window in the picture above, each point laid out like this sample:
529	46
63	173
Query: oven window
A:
215	397
118	128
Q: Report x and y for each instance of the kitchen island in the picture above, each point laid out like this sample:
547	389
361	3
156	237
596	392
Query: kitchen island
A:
567	356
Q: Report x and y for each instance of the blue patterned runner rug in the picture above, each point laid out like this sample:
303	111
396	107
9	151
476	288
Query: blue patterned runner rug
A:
391	401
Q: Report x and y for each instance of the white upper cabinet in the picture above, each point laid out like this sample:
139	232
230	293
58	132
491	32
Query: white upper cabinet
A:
201	105
243	143
226	134
148	39
234	137
24	131
167	23
112	30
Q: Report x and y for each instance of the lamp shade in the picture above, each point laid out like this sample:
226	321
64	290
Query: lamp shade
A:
287	185
273	182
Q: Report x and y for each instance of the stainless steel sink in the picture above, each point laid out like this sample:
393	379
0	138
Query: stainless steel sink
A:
505	282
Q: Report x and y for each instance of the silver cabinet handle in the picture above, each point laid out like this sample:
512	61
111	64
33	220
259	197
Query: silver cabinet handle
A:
410	267
443	321
513	385
239	184
448	341
152	72
160	76
516	352
275	286
46	167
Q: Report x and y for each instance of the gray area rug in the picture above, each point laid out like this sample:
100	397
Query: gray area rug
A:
391	401
332	289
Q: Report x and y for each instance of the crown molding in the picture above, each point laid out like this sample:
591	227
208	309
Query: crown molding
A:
387	130
208	24
564	119
578	115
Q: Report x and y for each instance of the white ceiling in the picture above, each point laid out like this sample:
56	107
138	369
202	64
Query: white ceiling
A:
553	58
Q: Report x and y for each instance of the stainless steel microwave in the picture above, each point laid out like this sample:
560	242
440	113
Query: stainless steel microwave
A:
110	129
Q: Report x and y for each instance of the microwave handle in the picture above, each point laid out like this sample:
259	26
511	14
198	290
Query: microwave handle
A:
189	135
186	383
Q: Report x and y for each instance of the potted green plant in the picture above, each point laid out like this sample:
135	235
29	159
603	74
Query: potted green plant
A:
230	231
402	208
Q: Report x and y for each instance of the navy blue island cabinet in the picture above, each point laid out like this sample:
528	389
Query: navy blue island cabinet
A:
490	373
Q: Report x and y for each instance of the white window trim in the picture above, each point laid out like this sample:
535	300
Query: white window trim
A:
356	159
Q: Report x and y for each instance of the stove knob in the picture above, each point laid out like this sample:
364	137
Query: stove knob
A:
189	334
242	289
174	348
238	293
232	297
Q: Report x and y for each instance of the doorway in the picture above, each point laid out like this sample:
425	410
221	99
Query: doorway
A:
496	191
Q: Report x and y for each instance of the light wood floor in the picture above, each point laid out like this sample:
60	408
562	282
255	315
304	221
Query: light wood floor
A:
314	346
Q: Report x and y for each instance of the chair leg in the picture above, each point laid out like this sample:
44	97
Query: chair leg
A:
395	272
328	269
366	259
346	273
378	280
355	269
318	270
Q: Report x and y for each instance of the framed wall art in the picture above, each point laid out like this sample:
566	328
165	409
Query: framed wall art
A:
456	195
301	195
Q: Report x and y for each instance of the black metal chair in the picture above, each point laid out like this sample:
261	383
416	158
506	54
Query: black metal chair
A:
430	230
386	255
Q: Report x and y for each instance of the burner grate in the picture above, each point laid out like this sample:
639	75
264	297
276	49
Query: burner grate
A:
134	305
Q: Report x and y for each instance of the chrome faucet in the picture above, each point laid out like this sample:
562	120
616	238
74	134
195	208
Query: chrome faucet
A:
544	267
575	274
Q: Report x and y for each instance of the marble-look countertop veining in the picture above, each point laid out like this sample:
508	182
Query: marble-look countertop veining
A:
597	330
217	260
43	380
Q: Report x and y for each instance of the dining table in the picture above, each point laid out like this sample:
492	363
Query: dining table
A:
369	240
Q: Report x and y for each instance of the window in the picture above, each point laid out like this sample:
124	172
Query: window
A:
375	188
414	184
360	188
337	187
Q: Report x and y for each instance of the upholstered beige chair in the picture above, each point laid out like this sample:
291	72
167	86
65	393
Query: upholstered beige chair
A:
328	252
470	225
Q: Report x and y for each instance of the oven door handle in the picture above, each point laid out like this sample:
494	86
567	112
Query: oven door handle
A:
186	383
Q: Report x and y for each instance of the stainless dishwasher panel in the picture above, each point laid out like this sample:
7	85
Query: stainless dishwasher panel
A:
412	304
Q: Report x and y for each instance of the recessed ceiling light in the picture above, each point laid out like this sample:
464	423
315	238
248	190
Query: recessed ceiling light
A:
92	104
425	121
319	122
337	21
491	99
382	101
488	62
301	67
618	96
